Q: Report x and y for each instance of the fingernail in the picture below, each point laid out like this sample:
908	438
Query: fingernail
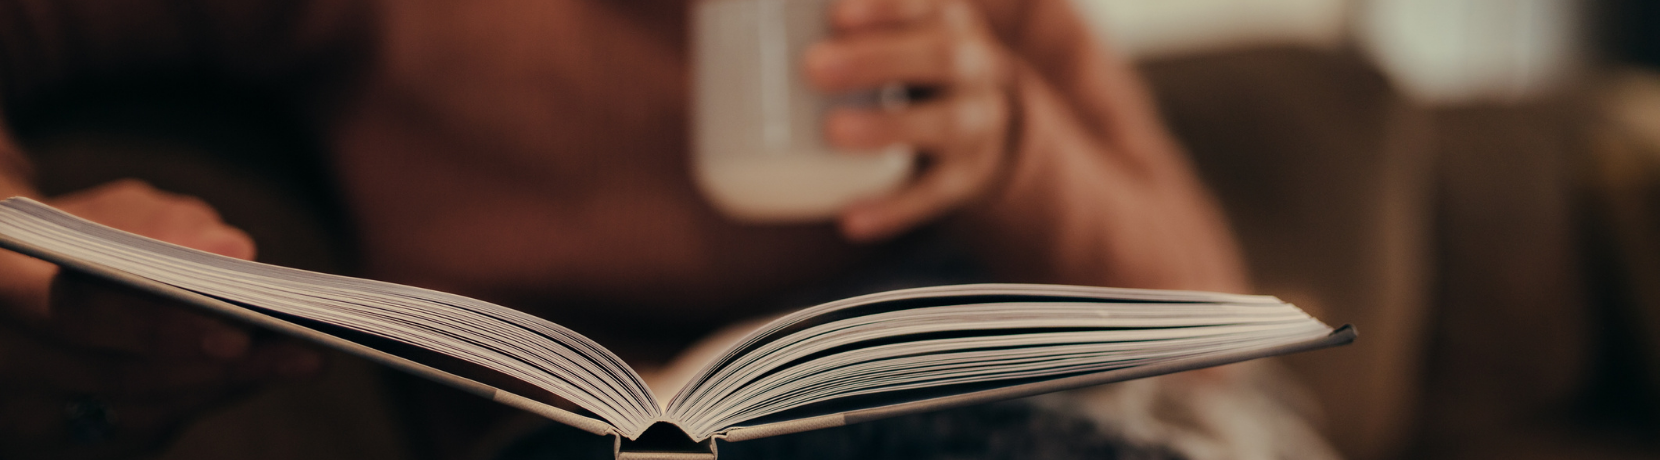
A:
225	344
304	364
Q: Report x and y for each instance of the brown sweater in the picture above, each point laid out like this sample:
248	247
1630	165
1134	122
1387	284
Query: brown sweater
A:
550	136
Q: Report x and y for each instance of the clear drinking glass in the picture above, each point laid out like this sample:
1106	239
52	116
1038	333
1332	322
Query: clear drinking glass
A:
758	150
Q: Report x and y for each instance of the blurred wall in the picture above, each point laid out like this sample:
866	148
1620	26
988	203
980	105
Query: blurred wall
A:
1442	52
1153	29
1405	165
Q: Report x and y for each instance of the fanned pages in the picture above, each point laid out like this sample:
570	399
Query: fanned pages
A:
875	355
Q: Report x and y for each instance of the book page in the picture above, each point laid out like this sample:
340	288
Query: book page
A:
500	339
685	366
964	338
882	350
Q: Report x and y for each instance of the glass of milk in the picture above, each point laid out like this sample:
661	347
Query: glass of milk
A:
759	153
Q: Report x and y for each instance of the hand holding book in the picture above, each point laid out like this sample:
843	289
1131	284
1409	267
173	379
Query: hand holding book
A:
858	359
74	343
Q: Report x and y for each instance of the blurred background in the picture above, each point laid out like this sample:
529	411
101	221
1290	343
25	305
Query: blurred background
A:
1475	183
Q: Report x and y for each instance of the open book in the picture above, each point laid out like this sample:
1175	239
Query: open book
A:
842	362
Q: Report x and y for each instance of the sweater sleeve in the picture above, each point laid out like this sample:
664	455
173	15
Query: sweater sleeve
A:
1096	191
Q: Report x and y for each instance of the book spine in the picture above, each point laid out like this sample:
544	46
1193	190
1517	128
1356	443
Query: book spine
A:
624	450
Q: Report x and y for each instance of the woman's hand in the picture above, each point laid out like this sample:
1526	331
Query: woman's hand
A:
944	50
88	369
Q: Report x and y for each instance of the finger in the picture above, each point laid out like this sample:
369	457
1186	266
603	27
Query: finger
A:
98	316
847	15
280	358
220	239
963	136
29	364
192	223
274	360
919	57
25	283
933	194
136	207
944	126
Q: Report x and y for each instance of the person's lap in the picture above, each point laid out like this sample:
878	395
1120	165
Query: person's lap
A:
1019	429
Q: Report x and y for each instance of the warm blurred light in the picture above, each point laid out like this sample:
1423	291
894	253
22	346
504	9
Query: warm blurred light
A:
1142	28
1459	51
1436	51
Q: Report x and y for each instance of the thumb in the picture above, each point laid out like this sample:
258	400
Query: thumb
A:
25	286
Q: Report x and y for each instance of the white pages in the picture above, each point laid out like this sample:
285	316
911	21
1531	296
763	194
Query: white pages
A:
844	355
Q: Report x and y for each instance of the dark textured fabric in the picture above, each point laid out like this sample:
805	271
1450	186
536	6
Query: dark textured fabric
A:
286	45
1008	430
